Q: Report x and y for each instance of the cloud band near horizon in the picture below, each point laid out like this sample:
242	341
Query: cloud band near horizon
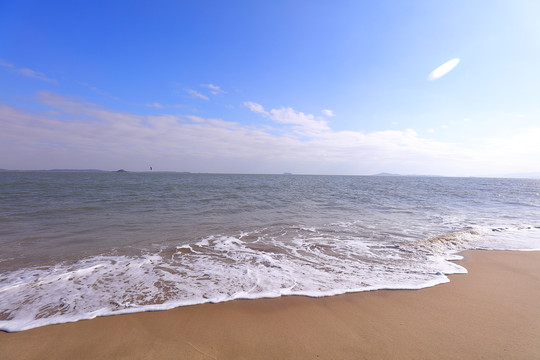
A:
74	132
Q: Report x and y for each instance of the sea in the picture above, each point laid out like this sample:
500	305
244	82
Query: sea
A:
77	245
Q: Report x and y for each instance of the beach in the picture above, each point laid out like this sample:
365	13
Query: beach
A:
269	180
491	312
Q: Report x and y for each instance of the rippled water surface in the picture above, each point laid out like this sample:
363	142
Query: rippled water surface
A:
80	245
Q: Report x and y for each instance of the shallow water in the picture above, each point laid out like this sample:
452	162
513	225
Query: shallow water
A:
80	245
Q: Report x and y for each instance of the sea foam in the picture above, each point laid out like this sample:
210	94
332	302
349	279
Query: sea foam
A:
292	261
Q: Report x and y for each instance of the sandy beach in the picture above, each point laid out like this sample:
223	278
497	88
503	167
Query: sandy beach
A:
490	313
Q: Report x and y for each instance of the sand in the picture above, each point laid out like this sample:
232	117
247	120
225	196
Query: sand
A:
491	313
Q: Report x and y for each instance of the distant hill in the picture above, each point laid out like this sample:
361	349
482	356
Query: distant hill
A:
73	170
97	171
56	170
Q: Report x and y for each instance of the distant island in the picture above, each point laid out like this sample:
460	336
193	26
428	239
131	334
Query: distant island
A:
96	171
57	170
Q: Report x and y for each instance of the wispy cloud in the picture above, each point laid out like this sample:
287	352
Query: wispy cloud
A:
36	75
214	89
98	91
155	105
328	112
6	64
28	72
257	108
208	89
443	69
302	123
197	94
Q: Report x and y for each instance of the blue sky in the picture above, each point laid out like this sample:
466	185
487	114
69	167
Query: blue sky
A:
315	87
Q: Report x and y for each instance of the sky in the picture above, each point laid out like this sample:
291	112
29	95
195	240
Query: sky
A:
309	87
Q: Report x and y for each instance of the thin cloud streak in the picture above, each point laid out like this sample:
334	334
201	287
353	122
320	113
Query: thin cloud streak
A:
6	64
155	105
36	75
98	91
197	94
214	89
28	72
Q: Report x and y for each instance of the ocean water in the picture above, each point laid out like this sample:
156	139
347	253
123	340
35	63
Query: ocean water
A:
79	245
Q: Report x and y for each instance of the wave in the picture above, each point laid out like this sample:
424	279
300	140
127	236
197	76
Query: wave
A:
269	262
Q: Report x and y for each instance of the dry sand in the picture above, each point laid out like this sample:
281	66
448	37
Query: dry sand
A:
491	313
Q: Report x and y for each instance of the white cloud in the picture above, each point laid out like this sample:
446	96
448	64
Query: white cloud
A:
304	123
430	130
443	69
79	134
328	112
124	139
257	108
301	123
197	94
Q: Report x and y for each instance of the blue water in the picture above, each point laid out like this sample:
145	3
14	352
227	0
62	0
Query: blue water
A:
78	245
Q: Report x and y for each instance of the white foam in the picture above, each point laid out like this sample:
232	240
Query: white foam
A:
222	268
522	238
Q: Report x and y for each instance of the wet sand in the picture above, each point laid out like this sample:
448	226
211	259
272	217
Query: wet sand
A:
491	313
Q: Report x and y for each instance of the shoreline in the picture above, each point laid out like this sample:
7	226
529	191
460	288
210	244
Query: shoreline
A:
490	312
